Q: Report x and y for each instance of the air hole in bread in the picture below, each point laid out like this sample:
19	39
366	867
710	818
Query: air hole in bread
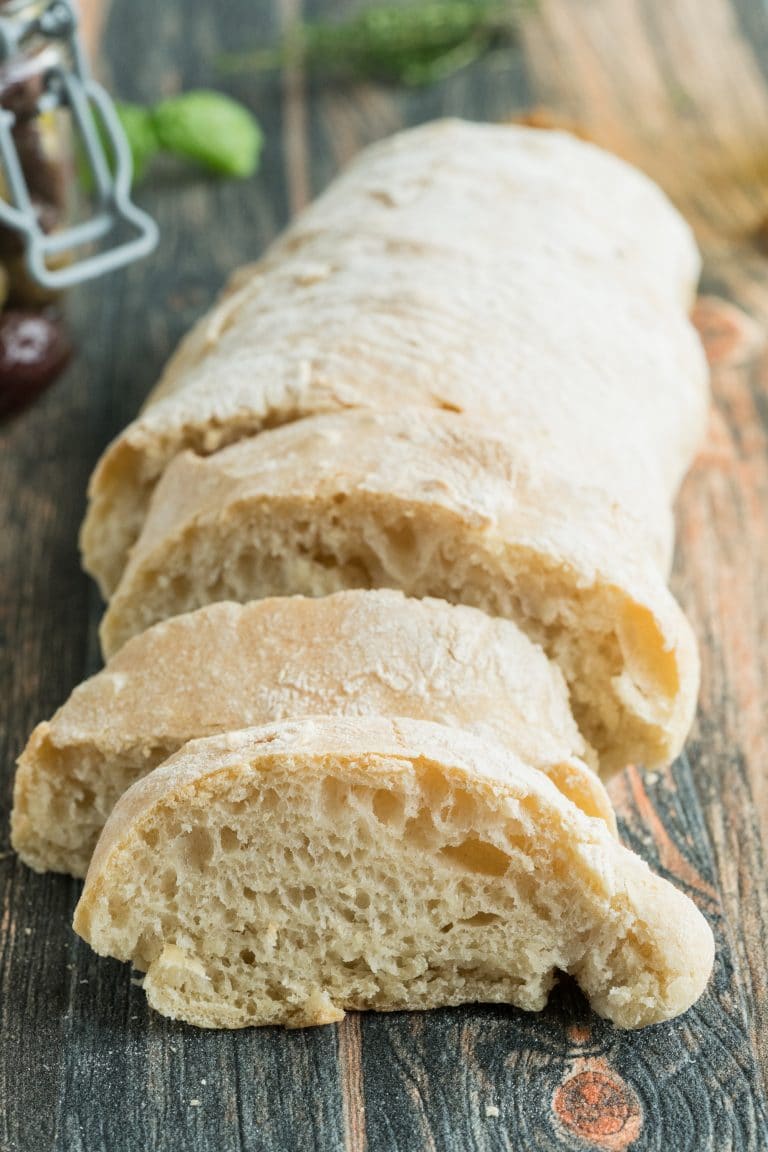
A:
435	790
298	896
477	856
419	830
270	801
246	567
118	910
401	543
334	795
458	810
229	839
652	665
169	884
150	836
480	920
388	806
180	586
198	848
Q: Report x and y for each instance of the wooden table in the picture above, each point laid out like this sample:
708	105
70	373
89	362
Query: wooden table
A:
681	87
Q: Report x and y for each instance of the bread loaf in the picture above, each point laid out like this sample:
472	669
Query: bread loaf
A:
227	667
284	874
436	505
518	274
464	379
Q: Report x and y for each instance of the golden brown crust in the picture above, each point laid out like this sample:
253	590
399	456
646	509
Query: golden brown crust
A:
492	269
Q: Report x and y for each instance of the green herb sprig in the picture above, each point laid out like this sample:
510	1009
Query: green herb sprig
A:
411	45
208	128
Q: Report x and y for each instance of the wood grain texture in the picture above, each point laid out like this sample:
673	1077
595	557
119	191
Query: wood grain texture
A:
682	89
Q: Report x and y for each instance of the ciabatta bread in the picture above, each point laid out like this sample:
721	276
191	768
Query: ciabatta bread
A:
436	505
504	271
228	667
284	874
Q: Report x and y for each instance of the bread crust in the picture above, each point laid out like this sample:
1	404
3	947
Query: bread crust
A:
440	505
499	270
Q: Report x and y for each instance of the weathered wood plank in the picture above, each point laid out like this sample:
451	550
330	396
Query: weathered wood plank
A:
689	104
565	1079
83	1064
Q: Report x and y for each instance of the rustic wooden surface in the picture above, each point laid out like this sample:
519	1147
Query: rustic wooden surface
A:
681	87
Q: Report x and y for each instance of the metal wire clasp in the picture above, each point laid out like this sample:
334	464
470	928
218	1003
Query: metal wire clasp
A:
73	88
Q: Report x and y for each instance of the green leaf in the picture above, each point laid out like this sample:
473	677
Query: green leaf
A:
211	129
139	129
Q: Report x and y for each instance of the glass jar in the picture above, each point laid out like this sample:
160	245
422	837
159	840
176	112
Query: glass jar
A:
65	168
65	174
43	141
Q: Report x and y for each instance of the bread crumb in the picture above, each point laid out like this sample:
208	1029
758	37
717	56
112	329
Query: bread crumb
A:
195	1103
27	931
491	1110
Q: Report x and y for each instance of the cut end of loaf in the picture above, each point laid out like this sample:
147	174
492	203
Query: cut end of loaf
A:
118	498
285	874
436	507
230	665
63	794
477	193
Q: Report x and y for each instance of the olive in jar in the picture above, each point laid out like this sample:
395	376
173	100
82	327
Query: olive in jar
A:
34	348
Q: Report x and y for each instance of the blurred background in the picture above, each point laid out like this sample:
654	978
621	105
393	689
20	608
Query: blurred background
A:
679	88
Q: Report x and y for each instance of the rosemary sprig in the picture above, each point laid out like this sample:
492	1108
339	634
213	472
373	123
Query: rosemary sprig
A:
413	45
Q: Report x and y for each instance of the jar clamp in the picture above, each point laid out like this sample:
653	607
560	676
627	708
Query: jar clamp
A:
41	40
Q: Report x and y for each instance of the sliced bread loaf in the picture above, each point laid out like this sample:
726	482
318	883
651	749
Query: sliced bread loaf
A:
228	666
282	875
436	505
520	274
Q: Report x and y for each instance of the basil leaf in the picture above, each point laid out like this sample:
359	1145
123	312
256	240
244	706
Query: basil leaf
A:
140	133
211	129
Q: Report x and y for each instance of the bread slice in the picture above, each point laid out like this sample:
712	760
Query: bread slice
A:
284	874
436	505
228	666
492	269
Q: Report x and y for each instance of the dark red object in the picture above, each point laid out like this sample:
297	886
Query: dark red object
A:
34	348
